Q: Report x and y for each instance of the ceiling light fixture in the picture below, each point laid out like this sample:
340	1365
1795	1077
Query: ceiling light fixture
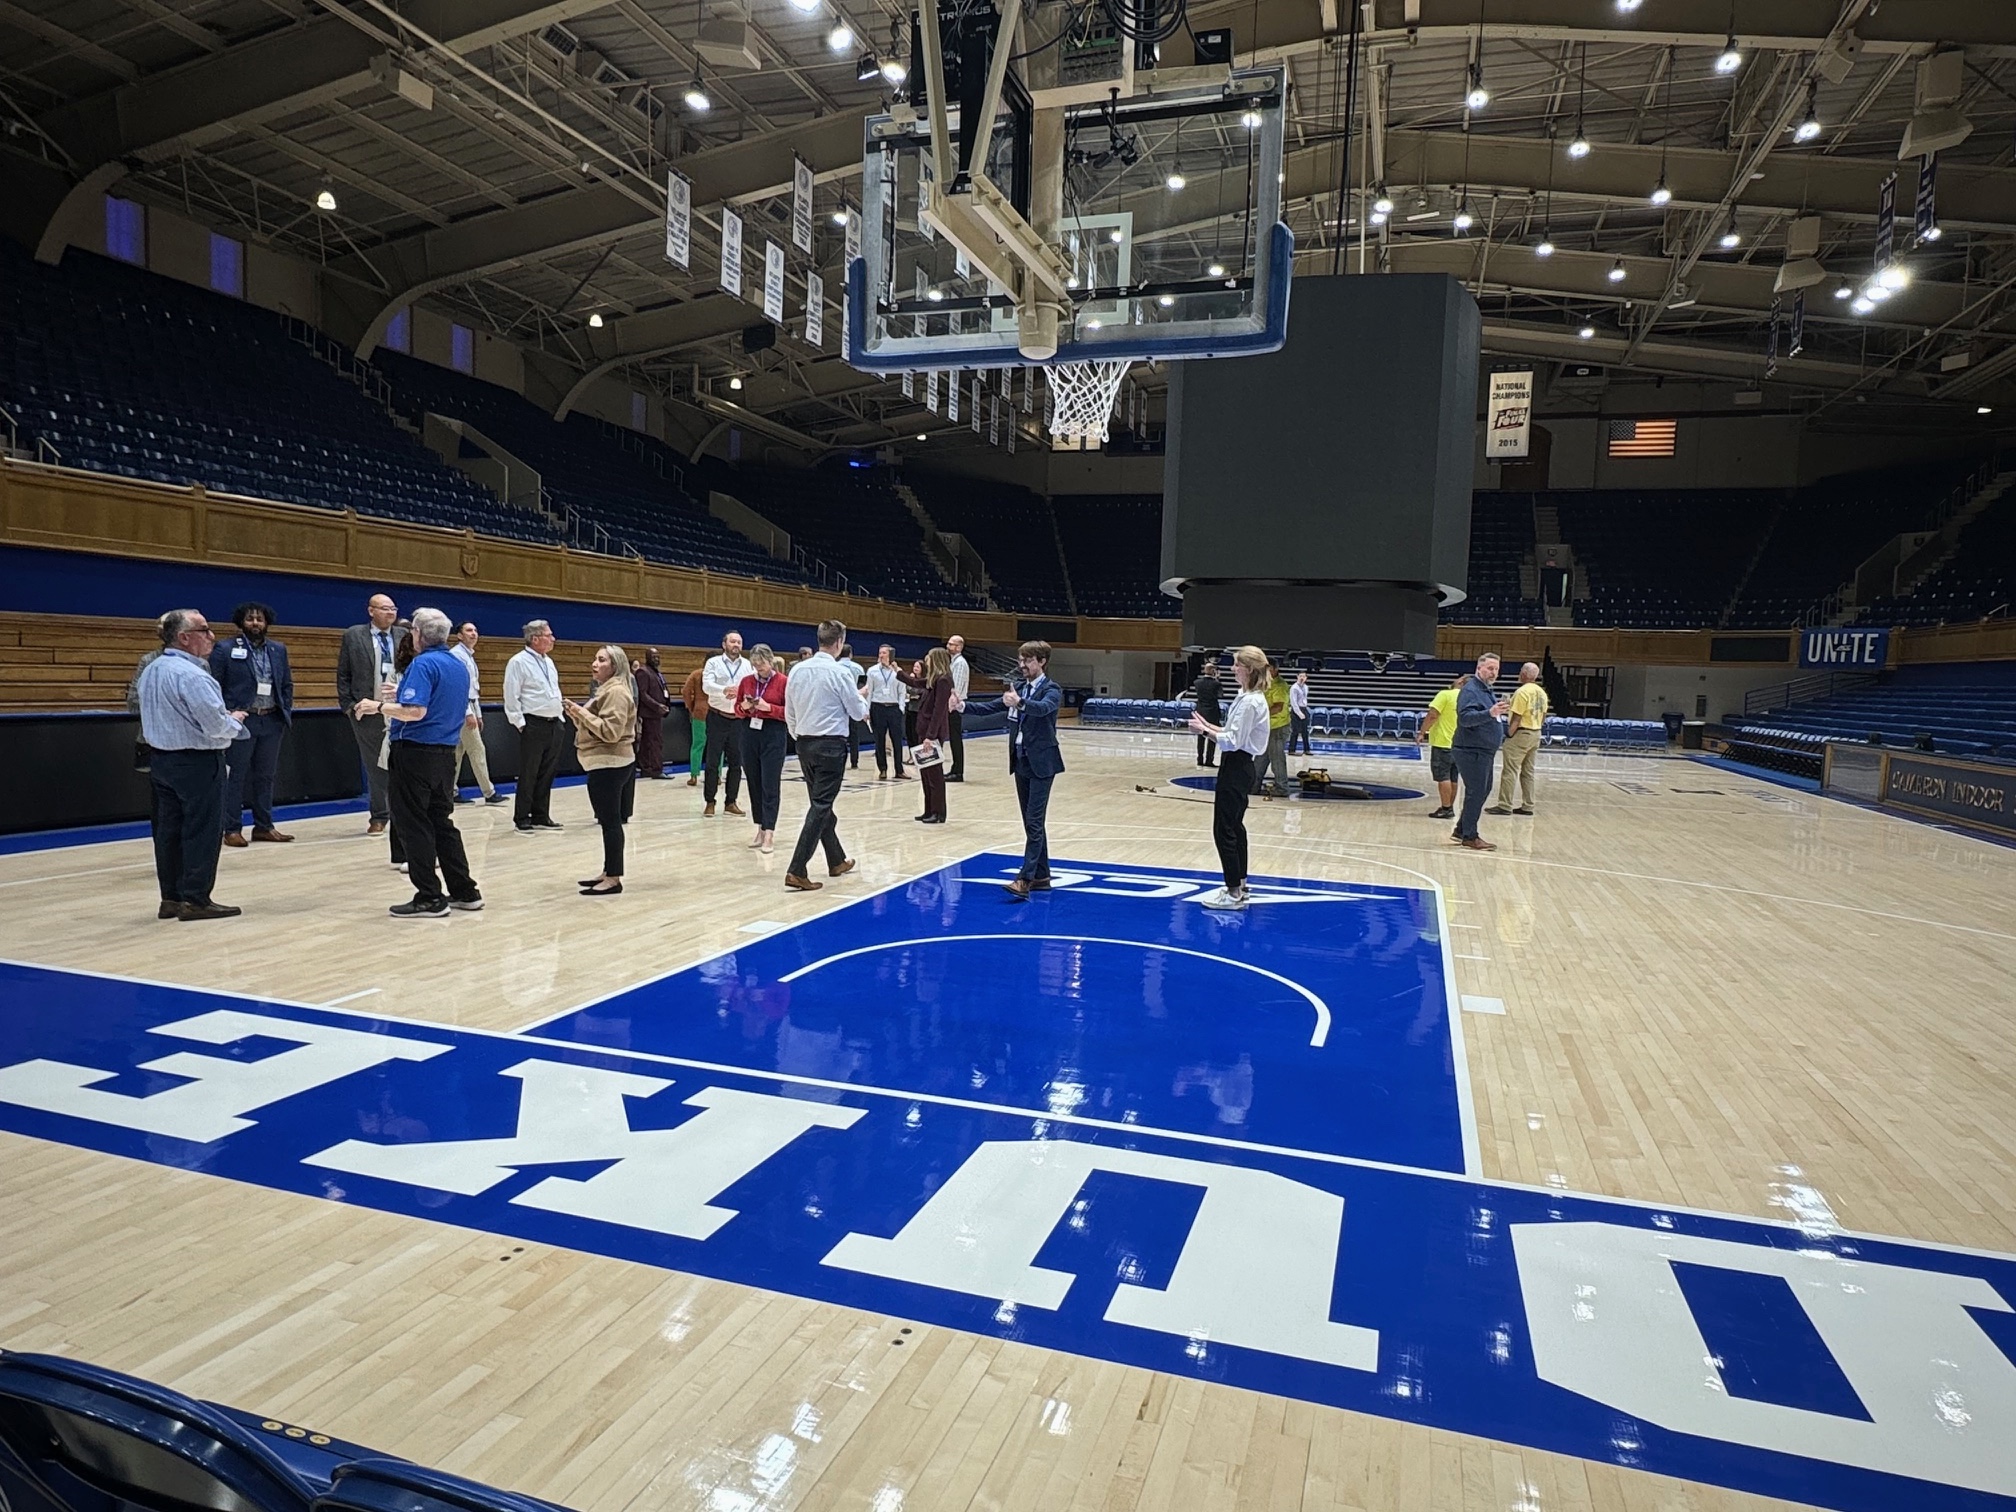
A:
735	383
1216	270
1731	57
894	70
1250	120
1578	146
1843	292
1174	182
1616	273
1166	300
1463	220
1627	6
934	295
1377	217
866	68
807	6
696	96
840	216
1984	409
1545	247
1116	236
1809	124
922	437
1932	233
1479	96
1587	333
1894	276
840	38
595	321
1661	195
1383	204
325	199
1863	306
1875	291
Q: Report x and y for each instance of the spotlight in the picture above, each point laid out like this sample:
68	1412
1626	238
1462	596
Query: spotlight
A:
1894	276
934	295
922	437
1377	218
867	67
1984	409
1250	120
1863	306
1166	300
894	70
1175	181
1463	220
1875	291
840	216
1383	205
325	200
696	97
1115	236
735	383
1932	233
1809	124
1479	96
1616	273
1587	333
1579	147
1731	58
1843	292
595	321
1661	195
1545	247
840	38
1216	270
1731	237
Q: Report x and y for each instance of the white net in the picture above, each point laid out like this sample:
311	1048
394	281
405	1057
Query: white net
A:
1082	395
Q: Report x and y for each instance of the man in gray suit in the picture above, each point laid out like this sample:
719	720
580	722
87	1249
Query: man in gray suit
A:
363	667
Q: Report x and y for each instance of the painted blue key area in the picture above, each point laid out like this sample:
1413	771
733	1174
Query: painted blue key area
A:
1114	995
1849	1372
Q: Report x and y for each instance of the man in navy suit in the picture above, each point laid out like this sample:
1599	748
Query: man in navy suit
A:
253	672
1031	703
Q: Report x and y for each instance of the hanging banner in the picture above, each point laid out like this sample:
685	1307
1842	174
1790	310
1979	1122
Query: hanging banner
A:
993	419
1886	222
909	385
931	391
731	252
1798	337
1028	391
1012	428
853	250
1508	425
678	219
801	205
773	281
1771	342
1925	218
952	395
815	310
979	388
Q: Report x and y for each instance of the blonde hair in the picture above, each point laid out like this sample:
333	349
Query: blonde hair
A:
762	653
1259	671
937	664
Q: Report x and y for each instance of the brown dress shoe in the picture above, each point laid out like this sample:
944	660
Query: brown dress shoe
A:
1478	845
843	868
170	909
375	827
235	840
1018	891
692	782
735	809
707	812
795	883
1039	884
189	912
272	837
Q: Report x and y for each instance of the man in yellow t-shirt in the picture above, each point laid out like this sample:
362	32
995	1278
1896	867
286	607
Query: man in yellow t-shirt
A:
1522	740
1438	730
1275	772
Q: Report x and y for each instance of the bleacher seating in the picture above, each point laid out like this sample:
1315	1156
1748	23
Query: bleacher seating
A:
130	373
1113	548
1353	722
1822	533
630	484
1662	559
1977	580
850	517
1009	527
1792	752
1970	712
1501	534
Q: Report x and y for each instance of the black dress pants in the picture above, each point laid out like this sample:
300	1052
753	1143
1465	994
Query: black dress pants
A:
957	740
612	793
1474	768
823	760
188	814
886	720
423	814
724	743
539	746
370	735
1033	793
1236	781
763	762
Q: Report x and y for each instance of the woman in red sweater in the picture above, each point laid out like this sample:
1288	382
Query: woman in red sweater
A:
761	698
934	725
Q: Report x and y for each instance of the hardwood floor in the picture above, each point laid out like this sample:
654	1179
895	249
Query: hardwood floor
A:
1718	994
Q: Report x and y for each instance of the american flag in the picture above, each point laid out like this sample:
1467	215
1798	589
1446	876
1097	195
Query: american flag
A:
1641	438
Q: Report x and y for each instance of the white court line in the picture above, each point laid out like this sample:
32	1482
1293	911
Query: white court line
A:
349	997
95	871
1322	1009
1474	1004
1472	958
1077	1119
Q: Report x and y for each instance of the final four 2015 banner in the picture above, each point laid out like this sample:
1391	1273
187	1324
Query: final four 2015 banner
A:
1508	425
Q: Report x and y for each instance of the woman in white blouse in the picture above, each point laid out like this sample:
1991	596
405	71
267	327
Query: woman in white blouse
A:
1240	739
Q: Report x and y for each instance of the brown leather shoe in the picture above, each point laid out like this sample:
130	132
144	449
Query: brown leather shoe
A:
735	809
843	868
707	812
272	837
189	912
235	840
1040	884
375	827
1478	845
170	909
692	782
1018	891
795	883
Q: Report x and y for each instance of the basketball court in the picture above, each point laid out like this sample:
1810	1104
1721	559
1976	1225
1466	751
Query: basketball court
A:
1431	1167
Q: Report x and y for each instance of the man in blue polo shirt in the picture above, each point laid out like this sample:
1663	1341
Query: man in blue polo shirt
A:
426	726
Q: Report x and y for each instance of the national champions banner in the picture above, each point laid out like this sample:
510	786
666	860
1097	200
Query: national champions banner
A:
1508	427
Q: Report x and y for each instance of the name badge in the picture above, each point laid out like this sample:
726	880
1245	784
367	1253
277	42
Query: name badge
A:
238	653
755	721
384	671
265	690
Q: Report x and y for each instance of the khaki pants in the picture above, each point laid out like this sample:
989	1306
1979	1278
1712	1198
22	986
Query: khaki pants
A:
471	746
1519	750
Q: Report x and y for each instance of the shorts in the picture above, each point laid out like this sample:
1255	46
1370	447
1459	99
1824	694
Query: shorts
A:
1442	763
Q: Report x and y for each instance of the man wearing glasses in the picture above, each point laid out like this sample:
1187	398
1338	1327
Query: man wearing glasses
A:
184	720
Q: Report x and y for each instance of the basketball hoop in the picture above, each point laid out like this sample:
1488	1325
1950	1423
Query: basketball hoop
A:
1082	395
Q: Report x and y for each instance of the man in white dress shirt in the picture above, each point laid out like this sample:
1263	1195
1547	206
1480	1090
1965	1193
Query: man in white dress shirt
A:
719	679
962	678
533	705
472	748
887	698
820	710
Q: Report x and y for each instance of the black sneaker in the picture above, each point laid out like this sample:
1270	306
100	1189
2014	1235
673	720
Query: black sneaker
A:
547	824
497	798
420	908
467	905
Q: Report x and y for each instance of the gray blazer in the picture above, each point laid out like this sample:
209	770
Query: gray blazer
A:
357	663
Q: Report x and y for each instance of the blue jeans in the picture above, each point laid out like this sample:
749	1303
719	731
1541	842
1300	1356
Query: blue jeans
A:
1473	767
249	768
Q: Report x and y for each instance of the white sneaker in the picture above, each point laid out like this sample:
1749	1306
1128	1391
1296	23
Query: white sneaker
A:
399	866
1224	902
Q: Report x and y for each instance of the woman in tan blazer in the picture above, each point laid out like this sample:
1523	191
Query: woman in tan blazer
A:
605	734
